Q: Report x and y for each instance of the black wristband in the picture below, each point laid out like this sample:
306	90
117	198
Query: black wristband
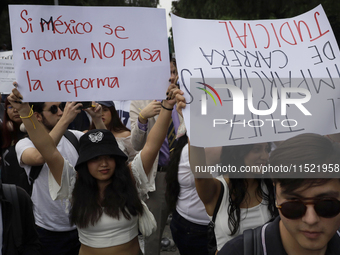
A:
165	107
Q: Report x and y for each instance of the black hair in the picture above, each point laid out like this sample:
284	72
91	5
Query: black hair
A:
37	106
171	177
305	149
119	196
234	155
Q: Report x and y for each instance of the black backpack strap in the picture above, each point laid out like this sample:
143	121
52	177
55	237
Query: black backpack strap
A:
11	194
35	170
212	245
34	173
73	139
252	241
219	200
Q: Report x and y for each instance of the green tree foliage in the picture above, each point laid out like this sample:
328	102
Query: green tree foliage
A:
255	9
5	37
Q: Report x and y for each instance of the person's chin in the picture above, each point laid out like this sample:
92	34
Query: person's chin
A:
313	241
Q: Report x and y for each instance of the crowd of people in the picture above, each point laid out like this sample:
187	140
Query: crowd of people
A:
98	190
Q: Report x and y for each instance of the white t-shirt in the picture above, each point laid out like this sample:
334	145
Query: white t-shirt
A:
250	218
107	231
189	205
49	214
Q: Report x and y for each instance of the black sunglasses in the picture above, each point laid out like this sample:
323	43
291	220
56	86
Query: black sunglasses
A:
54	109
324	207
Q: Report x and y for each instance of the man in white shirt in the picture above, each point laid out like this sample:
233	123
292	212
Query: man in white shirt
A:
56	234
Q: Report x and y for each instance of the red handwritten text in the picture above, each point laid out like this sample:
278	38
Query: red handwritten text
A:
285	33
49	55
65	27
136	54
27	21
87	83
37	83
108	50
117	29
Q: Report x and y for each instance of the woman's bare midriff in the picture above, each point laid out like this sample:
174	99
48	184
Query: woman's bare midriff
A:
130	248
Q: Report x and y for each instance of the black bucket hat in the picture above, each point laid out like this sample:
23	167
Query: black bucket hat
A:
98	142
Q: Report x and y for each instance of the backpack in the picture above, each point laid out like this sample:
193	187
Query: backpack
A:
35	170
212	245
254	241
10	194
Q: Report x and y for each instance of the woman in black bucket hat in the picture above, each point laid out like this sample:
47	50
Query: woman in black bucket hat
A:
105	199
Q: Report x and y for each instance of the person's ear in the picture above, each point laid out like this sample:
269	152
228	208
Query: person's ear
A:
38	116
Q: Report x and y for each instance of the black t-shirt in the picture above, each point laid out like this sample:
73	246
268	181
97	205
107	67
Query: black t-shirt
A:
273	243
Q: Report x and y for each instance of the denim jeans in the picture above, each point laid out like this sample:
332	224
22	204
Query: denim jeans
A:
190	238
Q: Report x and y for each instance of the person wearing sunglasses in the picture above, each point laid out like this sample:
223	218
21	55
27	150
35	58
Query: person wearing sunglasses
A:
309	208
56	234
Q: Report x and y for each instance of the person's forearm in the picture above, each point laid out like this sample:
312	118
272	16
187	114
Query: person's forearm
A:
98	123
59	130
159	130
156	138
37	132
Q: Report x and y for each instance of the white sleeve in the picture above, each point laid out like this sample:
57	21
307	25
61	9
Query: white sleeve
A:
21	146
126	146
77	133
68	179
144	183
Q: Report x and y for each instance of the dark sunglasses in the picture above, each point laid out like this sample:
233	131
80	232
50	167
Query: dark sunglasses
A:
54	109
324	207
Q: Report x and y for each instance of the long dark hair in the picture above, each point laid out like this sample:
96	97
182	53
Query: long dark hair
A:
234	155
119	196
171	177
8	135
116	124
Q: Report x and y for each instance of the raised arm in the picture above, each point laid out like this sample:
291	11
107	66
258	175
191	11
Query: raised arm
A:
208	188
71	110
32	156
38	135
158	132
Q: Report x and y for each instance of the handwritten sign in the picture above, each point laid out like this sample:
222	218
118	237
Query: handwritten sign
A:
66	53
295	61
7	75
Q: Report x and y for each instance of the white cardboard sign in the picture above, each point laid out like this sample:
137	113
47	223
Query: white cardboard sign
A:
302	49
7	75
67	53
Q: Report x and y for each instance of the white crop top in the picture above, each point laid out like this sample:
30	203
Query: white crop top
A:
189	205
107	231
250	218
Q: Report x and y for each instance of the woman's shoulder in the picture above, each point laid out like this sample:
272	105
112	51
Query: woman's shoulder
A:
123	134
224	179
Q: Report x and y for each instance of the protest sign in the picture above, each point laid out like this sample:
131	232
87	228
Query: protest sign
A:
67	53
7	75
289	66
